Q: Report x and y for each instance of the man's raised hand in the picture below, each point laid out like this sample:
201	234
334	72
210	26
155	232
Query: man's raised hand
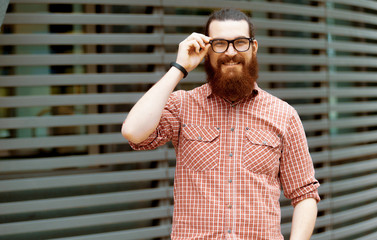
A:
192	50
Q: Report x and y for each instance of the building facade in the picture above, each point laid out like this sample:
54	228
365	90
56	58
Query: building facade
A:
71	70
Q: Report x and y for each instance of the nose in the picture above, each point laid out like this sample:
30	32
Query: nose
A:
231	51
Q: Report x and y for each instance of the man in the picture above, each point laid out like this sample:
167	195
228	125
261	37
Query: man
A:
236	144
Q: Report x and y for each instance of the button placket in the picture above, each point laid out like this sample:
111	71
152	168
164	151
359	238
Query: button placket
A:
231	148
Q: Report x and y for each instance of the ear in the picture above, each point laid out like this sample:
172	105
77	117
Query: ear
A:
255	46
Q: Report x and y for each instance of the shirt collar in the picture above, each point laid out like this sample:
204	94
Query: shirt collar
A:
208	90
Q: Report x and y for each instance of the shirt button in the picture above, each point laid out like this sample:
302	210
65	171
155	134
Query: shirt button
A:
230	154
229	206
264	143
199	138
229	231
247	128
230	180
232	129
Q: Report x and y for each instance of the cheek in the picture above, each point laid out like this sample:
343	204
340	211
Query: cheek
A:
212	60
248	59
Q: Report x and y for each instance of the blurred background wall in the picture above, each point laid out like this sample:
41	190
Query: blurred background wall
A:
72	69
3	10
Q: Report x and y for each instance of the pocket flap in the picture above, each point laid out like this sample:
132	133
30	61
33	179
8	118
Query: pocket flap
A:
262	137
200	133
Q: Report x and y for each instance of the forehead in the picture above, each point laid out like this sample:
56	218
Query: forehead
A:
228	29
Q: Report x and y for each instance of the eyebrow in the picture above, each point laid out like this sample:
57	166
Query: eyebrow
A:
231	39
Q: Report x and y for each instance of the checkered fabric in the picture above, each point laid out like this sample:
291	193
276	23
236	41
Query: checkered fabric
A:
232	161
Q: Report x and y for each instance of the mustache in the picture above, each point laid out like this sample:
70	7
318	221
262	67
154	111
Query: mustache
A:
227	59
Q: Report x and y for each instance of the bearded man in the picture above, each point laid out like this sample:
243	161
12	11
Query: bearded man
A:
237	146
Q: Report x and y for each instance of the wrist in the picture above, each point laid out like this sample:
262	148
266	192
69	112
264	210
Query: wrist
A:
180	68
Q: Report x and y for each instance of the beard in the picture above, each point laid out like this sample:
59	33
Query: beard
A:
232	85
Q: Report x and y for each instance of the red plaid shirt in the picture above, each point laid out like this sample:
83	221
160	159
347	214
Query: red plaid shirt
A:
232	161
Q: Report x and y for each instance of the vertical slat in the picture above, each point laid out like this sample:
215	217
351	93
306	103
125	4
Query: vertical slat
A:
3	9
91	69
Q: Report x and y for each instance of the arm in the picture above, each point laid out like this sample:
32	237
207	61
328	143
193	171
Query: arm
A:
303	220
144	117
298	179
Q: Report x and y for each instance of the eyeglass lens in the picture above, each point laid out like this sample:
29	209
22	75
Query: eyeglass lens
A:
240	44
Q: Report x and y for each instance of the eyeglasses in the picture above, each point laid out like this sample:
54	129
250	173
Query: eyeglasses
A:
240	44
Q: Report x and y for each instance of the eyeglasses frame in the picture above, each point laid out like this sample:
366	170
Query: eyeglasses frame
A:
232	42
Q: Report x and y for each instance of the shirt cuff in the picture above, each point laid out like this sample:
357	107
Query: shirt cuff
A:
144	144
313	194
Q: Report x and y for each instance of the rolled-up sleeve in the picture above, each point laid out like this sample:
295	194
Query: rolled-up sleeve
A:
296	165
167	129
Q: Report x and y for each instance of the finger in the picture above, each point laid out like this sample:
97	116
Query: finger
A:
201	41
201	38
205	39
197	47
193	44
204	51
197	39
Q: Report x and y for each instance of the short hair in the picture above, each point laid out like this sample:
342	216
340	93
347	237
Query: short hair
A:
229	14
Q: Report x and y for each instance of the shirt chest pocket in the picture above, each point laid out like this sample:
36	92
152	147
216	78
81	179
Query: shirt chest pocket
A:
261	152
199	147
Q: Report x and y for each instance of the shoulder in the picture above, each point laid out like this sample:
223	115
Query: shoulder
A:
276	104
198	92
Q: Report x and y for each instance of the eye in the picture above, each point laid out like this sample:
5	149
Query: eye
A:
242	41
219	43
